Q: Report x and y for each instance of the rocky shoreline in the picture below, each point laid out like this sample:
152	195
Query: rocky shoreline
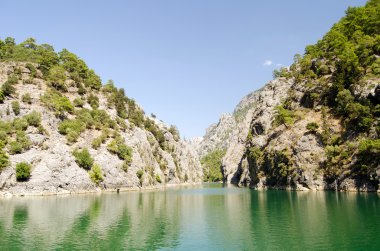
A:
98	190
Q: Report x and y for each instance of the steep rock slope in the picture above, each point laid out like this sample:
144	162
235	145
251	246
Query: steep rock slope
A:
316	126
51	118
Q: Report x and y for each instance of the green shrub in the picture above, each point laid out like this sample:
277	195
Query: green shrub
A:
4	160
96	143
312	127
21	143
20	124
93	81
125	166
34	118
57	102
123	151
15	147
368	156
15	107
78	102
93	101
32	69
283	116
57	78
96	174
7	88
72	128
26	98
23	171
2	96
83	159
140	174
158	178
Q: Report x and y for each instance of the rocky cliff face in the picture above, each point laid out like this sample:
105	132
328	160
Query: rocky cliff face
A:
154	161
262	154
317	125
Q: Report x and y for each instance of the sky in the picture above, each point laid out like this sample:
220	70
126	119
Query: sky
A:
186	61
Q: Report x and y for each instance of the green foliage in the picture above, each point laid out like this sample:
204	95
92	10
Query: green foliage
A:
312	127
78	102
140	174
2	96
158	178
283	72
211	164
174	131
93	101
15	107
21	144
7	89
278	166
20	124
83	158
123	151
4	160
96	143
283	116
57	102
57	78
156	131
93	81
75	66
26	98
33	118
354	114
72	128
368	157
109	87
345	58
254	153
23	171
32	69
96	174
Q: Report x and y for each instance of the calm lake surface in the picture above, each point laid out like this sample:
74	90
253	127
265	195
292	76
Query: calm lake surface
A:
202	217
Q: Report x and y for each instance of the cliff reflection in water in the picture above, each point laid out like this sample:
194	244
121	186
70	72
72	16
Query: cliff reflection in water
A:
207	217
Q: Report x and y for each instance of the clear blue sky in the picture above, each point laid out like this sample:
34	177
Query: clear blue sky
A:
186	61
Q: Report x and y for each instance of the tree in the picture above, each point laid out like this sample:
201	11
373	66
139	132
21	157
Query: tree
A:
211	164
57	77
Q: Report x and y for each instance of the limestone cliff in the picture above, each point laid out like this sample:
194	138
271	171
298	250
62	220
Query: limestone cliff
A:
158	155
316	125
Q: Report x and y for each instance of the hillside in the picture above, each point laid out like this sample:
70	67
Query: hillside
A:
316	125
63	131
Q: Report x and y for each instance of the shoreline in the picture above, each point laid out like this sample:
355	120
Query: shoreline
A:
7	194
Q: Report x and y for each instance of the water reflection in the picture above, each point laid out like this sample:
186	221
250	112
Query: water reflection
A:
186	218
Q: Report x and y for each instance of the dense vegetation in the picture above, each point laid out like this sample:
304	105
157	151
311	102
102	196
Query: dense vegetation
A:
335	75
211	164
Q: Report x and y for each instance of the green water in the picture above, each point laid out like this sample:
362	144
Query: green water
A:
204	217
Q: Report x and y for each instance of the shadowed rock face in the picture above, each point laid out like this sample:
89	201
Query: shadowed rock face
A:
54	169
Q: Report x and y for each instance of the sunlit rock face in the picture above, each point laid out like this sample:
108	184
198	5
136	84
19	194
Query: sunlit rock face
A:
54	168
